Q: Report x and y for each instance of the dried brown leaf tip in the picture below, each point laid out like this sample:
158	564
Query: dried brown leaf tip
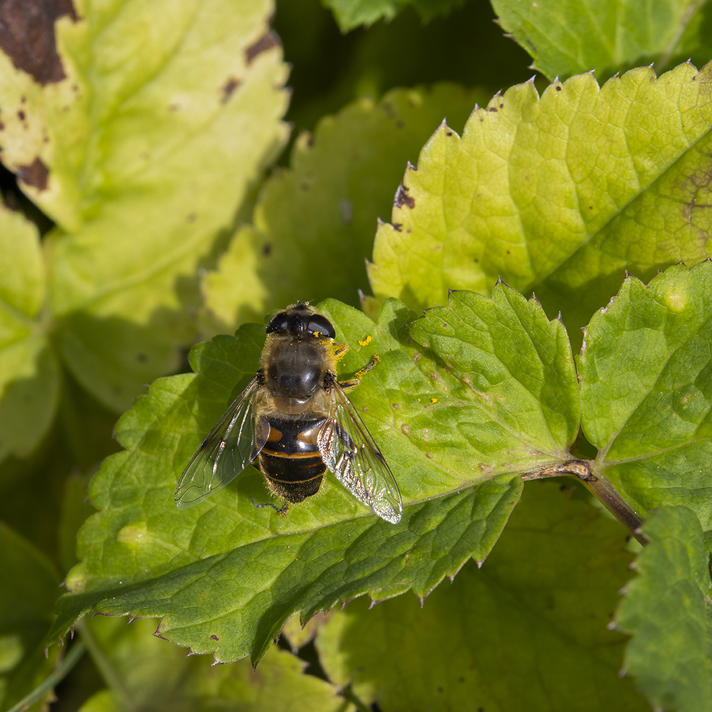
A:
403	198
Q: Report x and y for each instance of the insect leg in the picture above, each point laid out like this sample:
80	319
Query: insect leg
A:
353	382
282	511
339	350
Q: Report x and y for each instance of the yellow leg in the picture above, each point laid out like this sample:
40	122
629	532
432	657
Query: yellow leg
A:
353	382
339	350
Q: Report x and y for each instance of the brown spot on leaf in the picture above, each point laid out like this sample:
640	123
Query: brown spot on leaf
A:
21	115
27	36
228	88
214	637
34	174
267	249
397	226
402	198
697	186
268	40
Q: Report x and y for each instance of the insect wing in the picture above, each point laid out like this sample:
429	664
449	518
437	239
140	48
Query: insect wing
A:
348	450
228	449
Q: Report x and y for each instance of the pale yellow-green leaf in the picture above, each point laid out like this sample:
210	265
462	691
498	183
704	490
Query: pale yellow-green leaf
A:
560	193
312	228
141	154
29	375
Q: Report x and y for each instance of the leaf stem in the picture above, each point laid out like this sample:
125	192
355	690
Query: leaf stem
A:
64	666
104	665
599	486
348	694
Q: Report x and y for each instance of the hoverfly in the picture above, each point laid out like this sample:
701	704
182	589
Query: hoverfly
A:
294	420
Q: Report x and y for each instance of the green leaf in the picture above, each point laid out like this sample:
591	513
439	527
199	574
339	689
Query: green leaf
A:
560	193
126	142
667	610
516	399
29	374
152	674
228	569
352	13
313	224
569	37
526	632
75	510
34	489
30	586
646	390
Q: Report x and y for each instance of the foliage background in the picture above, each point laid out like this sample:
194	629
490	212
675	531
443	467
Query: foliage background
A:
172	173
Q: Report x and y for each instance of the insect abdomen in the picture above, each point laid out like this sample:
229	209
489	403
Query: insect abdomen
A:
290	459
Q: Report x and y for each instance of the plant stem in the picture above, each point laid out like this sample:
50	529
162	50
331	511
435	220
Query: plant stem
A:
599	486
50	682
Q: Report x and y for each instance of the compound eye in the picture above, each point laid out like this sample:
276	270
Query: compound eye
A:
278	324
321	326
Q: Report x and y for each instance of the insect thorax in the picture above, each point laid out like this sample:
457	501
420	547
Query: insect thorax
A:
296	369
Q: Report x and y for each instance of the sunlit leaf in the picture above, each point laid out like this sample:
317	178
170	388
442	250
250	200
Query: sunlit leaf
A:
560	193
29	373
225	568
139	137
313	224
646	390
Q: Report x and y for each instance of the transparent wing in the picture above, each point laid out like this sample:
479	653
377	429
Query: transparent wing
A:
227	450
348	450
